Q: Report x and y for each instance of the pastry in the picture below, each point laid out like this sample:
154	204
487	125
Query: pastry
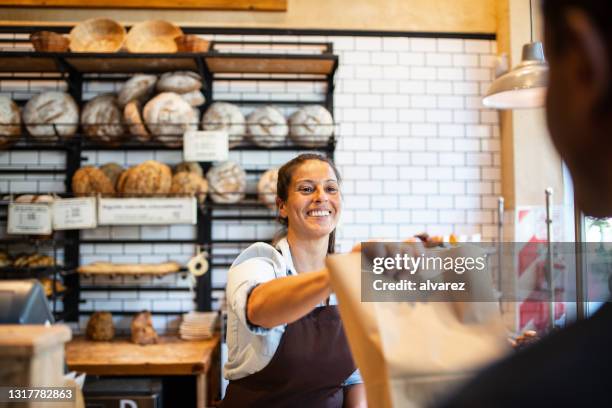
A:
133	121
47	284
148	178
112	171
266	188
90	180
137	88
194	98
227	182
267	127
50	114
102	119
180	82
190	184
5	260
311	126
225	116
10	122
168	116
142	329
100	327
190	167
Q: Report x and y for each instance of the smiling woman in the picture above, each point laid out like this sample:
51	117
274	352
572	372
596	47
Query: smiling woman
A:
285	338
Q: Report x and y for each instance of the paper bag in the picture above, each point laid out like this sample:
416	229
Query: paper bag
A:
410	353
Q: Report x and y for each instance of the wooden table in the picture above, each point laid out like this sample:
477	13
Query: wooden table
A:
170	356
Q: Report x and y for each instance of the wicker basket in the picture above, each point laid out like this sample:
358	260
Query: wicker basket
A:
152	37
97	35
191	43
48	41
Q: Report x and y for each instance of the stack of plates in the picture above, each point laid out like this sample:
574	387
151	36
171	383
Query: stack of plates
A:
198	325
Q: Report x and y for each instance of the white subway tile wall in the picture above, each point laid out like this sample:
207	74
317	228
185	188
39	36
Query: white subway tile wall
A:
417	152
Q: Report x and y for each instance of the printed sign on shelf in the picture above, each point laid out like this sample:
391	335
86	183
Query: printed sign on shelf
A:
205	145
74	213
150	211
29	219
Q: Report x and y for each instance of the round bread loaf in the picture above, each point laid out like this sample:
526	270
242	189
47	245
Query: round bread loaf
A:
227	182
180	82
100	327
190	167
112	171
10	122
189	184
225	116
194	98
148	178
102	119
267	127
90	180
311	126
266	188
139	87
168	116
134	123
142	330
50	114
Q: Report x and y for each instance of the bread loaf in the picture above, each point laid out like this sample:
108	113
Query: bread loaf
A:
190	167
266	188
134	123
10	122
168	116
267	127
189	184
107	268
90	180
112	171
311	126
137	88
227	182
142	329
194	98
180	82
225	116
102	119
50	114
148	178
100	327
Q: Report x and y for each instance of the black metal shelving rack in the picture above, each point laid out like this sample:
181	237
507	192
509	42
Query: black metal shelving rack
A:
214	65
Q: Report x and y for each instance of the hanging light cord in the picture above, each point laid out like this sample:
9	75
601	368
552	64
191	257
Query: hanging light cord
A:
531	17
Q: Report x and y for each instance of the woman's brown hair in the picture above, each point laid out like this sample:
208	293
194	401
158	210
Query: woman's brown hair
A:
285	174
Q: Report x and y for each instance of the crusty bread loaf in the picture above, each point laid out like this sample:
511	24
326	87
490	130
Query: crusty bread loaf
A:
266	188
137	88
194	98
168	116
107	268
311	126
133	121
142	329
102	119
190	167
189	184
90	180
148	178
100	327
10	122
112	171
228	117
180	82
51	112
267	127
227	182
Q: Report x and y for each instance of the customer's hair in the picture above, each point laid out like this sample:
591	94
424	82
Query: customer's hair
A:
285	174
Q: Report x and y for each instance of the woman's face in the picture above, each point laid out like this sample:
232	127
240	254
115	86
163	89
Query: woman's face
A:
313	203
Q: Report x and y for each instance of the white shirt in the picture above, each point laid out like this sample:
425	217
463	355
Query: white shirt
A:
250	348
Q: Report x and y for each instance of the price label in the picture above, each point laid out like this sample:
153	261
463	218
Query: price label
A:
29	219
205	145
74	213
148	211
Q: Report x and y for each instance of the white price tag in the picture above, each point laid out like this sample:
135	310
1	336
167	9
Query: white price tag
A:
29	219
205	145
148	211
74	213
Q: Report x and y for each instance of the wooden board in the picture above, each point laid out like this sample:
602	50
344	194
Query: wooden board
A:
251	5
171	356
31	339
253	65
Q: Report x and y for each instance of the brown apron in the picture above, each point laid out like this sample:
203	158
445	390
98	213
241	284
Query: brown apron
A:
311	363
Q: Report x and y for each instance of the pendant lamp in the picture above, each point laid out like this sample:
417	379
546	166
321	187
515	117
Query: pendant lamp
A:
525	85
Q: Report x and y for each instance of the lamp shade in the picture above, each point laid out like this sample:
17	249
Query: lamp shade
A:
524	86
